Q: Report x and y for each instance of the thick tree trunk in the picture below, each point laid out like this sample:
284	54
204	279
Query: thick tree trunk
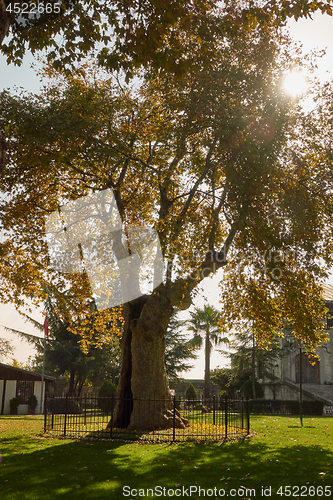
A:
144	400
124	405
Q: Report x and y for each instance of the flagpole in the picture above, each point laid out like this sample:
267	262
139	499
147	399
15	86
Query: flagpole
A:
46	327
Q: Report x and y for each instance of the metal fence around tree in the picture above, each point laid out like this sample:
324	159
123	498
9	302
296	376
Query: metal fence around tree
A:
215	419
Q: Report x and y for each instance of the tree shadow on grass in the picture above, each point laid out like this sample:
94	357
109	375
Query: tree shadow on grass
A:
298	426
100	470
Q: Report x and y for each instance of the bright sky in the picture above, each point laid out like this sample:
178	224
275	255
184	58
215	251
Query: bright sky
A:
316	33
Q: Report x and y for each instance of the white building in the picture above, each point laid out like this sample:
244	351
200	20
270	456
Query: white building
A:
15	382
317	376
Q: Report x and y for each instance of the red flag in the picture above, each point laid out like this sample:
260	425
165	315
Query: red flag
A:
46	325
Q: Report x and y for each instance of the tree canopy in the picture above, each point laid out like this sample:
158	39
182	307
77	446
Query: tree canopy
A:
216	159
129	34
210	160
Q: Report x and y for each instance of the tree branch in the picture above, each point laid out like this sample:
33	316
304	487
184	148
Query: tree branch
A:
181	289
193	191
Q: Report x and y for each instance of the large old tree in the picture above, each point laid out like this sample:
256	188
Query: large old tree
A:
217	159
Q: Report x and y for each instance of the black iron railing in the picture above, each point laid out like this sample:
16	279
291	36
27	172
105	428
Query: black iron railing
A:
215	419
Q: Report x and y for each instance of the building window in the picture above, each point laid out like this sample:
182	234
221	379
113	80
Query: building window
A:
24	389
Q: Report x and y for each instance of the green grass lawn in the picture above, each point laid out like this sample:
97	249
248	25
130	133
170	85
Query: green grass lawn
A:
282	453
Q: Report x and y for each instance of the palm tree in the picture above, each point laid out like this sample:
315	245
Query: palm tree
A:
204	325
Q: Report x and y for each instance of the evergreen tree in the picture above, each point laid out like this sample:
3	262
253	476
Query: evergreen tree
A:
178	349
6	348
64	354
107	390
191	392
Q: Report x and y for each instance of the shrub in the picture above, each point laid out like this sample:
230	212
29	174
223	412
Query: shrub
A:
32	402
190	392
246	389
14	403
105	394
58	406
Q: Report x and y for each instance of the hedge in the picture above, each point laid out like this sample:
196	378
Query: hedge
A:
285	407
